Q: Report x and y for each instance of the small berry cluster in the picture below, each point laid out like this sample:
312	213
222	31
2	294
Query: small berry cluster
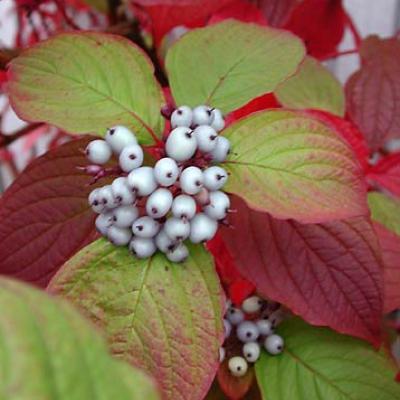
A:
179	198
254	324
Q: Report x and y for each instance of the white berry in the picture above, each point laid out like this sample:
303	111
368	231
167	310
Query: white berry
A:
131	157
159	203
178	254
227	328
98	151
191	180
119	137
206	138
166	171
145	227
251	351
183	206
95	202
182	116
247	331
103	222
177	229
252	305
274	344
106	197
237	366
202	228
218	122
219	205
234	315
122	194
163	242
142	181
265	327
142	247
214	178
221	150
125	216
119	236
202	115
181	144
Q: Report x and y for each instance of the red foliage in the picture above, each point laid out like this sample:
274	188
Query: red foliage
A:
320	23
329	274
277	12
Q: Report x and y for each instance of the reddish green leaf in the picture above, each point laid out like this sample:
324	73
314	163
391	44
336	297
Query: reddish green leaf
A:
294	166
44	215
163	317
228	64
329	274
385	210
373	92
87	82
313	86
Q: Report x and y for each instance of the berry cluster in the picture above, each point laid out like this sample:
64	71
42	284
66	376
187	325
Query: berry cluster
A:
253	324
179	198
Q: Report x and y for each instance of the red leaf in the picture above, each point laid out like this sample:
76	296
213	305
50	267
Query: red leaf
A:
263	102
348	131
240	10
166	14
373	92
329	274
390	246
277	12
44	215
386	174
320	23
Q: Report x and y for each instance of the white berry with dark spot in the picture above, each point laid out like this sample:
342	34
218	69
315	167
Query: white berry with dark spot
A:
234	315
191	180
206	138
219	205
218	122
103	222
221	150
179	253
131	157
252	304
237	366
183	206
159	203
177	229
98	151
247	331
142	247
118	137
274	344
163	242
265	327
122	194
142	181
119	236
214	178
181	144
166	171
202	228
182	116
145	227
125	216
202	115
251	351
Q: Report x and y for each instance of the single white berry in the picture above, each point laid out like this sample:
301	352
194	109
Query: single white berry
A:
206	138
142	247
103	222
142	181
183	206
182	116
251	351
252	304
145	227
214	178
98	151
274	344
222	353
131	157
159	203
247	331
124	216
106	197
191	180
218	122
219	205
202	228
177	229
163	242
119	236
119	137
166	171
265	327
227	328
202	115
122	194
221	150
234	315
95	202
237	366
181	144
178	254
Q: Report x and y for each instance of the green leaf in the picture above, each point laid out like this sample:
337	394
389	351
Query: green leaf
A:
319	364
293	166
48	351
228	64
385	210
86	82
164	317
313	86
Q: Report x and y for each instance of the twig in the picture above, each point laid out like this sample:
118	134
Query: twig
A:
354	31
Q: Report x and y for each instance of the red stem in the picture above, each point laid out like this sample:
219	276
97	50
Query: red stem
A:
354	31
336	54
